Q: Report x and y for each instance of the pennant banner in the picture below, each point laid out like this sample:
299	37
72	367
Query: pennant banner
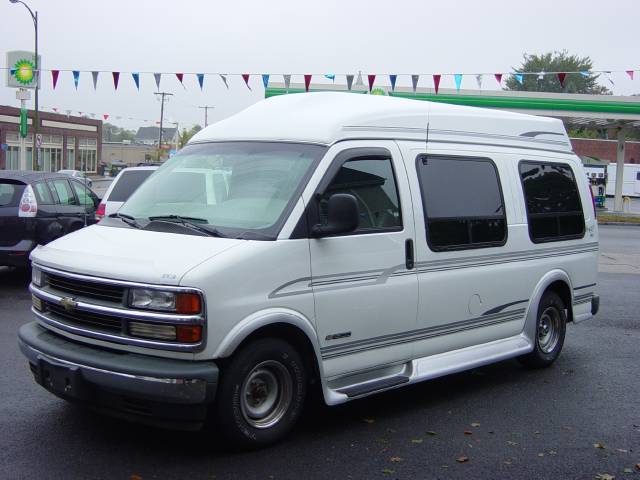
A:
105	116
519	77
224	79
76	78
371	79
180	77
458	79
54	77
359	82
330	76
265	80
392	79
307	82
479	81
287	82
561	78
116	79
200	77
157	77
245	77
414	82
136	79
498	78
349	82
436	82
630	73
94	75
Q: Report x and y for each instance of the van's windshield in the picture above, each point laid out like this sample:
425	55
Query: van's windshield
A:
242	189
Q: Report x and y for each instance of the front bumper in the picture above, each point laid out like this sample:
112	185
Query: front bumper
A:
17	255
159	391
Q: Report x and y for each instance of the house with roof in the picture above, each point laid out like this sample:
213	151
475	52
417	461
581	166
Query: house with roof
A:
151	135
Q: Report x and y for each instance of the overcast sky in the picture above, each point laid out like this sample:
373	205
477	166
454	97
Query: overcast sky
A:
297	37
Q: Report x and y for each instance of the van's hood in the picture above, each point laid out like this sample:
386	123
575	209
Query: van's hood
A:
130	254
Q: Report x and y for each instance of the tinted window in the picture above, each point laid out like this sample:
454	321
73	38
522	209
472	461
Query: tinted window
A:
64	193
373	185
553	203
462	202
43	193
127	184
83	194
10	194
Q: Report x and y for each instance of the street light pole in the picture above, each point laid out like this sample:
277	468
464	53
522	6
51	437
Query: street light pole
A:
163	95
36	122
206	111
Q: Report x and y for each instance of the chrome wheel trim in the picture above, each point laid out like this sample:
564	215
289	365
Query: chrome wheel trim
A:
266	394
549	329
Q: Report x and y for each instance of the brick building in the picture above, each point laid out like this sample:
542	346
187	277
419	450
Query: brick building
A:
68	142
606	149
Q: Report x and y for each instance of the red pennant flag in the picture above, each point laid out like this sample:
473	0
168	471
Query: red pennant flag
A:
245	77
371	78
307	82
630	73
180	76
561	78
436	82
498	78
116	78
55	109
105	116
54	77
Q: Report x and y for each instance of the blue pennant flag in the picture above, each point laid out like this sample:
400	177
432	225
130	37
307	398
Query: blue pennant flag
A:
13	71
393	79
331	76
519	77
200	79
458	79
265	80
76	78
584	73
136	79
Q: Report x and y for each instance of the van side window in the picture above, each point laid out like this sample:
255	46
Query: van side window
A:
551	195
373	184
462	202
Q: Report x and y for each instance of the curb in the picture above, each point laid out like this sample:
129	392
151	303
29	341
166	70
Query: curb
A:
621	224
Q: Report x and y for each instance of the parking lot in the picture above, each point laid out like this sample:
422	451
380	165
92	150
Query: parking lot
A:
578	419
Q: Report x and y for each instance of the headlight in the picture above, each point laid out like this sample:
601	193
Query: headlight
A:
36	276
151	299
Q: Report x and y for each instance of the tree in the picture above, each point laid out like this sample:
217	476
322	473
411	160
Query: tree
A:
185	135
557	62
112	133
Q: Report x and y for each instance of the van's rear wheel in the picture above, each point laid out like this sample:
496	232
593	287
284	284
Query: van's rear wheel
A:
551	326
261	393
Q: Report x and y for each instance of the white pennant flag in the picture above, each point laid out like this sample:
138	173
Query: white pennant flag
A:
608	75
287	82
359	82
479	81
541	76
157	77
224	79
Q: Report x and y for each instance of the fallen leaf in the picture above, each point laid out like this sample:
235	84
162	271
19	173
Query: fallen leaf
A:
638	466
541	454
388	471
605	476
462	459
622	450
395	459
507	462
417	440
431	432
628	470
445	466
536	432
475	424
468	432
368	420
509	442
552	452
600	446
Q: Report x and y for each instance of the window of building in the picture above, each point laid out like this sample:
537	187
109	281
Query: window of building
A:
553	203
71	153
87	155
64	192
462	202
372	183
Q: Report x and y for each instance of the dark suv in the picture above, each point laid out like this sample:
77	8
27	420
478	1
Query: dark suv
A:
37	207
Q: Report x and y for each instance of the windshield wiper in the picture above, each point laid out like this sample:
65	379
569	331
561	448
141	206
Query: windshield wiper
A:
128	219
191	222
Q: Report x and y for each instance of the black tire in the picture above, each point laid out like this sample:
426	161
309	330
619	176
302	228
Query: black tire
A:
552	318
247	380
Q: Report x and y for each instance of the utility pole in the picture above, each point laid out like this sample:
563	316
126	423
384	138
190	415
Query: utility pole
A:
206	111
164	97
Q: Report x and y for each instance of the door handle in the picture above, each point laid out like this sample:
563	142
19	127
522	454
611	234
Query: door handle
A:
409	258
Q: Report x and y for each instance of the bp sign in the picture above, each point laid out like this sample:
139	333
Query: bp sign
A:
21	69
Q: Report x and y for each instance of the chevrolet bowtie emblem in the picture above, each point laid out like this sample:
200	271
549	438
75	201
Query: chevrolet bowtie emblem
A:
68	303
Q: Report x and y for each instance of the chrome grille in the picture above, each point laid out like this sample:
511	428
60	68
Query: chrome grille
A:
79	318
84	288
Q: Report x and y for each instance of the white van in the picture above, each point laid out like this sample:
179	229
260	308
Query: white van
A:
354	242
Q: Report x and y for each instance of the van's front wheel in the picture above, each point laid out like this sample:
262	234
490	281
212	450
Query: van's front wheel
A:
551	325
261	393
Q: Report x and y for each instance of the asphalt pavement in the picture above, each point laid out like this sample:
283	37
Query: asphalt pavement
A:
576	420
